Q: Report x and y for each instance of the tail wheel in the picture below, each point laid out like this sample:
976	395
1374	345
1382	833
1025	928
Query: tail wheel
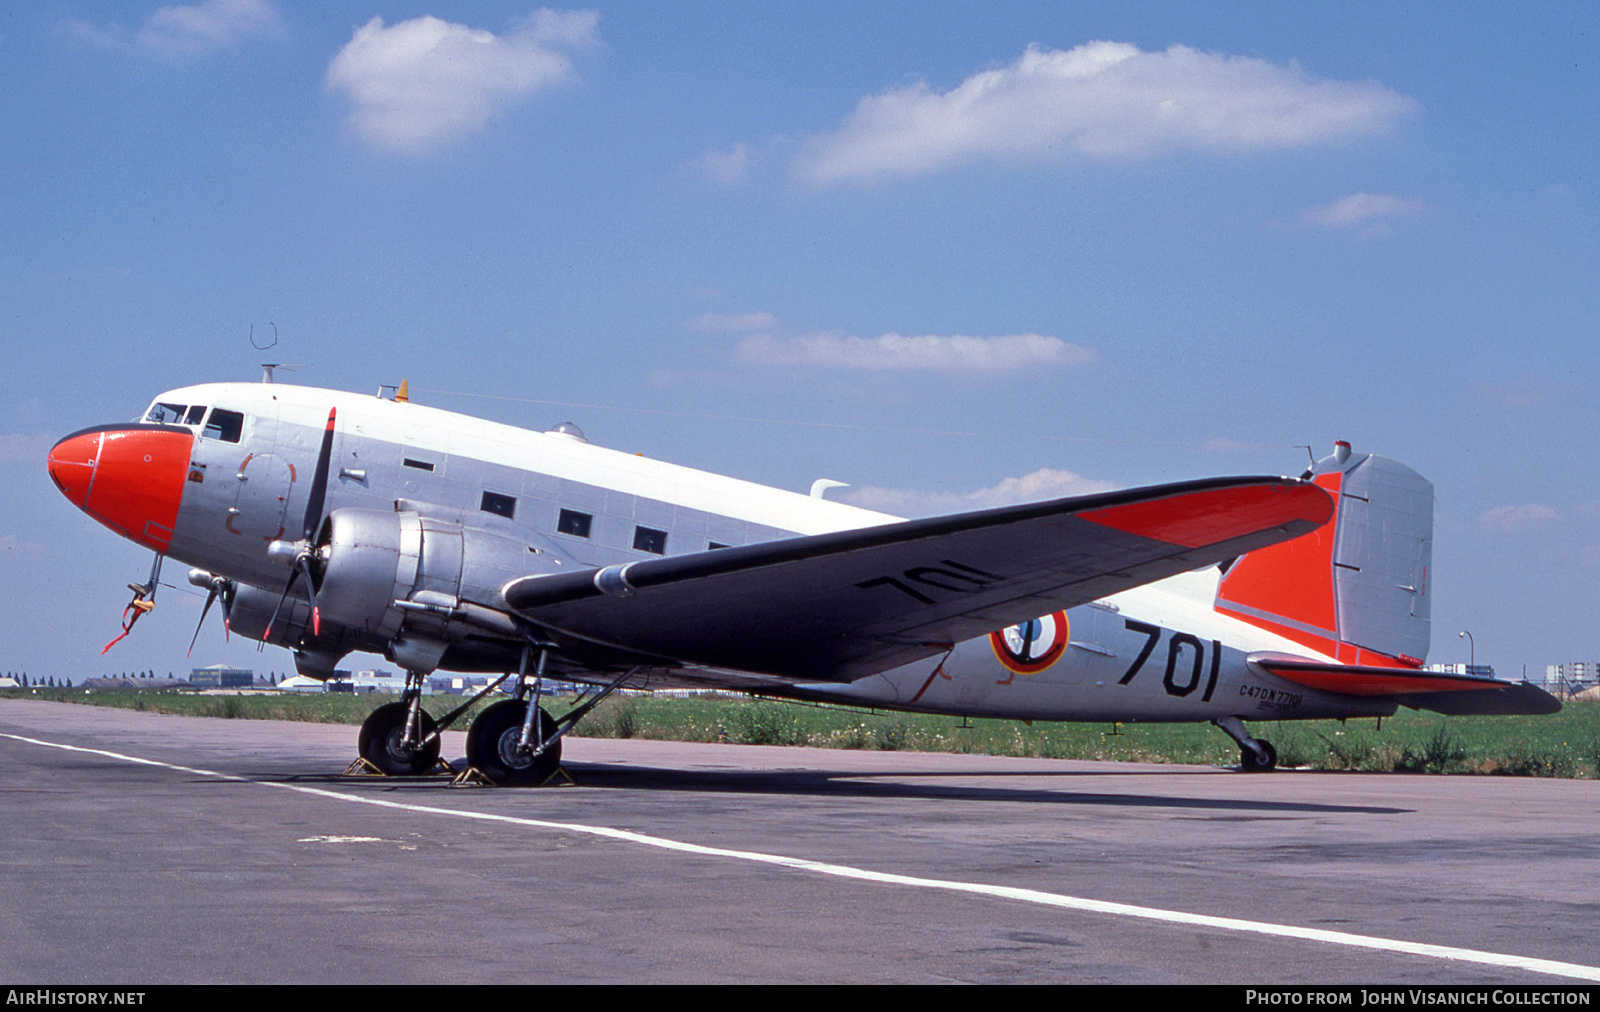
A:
492	745
1249	762
381	742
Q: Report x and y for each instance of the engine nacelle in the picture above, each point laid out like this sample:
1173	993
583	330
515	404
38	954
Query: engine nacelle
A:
251	609
371	559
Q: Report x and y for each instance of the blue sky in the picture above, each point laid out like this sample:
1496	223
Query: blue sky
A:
950	254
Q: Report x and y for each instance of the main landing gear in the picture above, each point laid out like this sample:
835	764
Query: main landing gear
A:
1256	755
495	744
516	741
401	739
512	742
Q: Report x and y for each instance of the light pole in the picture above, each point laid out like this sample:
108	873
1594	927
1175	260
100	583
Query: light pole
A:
1472	650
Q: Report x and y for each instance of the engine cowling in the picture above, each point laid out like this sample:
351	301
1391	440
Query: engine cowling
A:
371	559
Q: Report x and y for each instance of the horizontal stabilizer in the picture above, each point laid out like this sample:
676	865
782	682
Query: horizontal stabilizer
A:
1439	691
844	605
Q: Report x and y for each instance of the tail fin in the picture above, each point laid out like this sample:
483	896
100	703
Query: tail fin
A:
1357	587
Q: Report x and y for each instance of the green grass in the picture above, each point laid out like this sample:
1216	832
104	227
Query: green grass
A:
1566	744
330	708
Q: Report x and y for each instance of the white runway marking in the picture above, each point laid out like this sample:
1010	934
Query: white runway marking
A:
1575	971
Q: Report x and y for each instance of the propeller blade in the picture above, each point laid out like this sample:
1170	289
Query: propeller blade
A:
293	575
203	613
319	481
304	563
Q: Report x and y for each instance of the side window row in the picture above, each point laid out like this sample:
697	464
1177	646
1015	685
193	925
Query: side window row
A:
580	525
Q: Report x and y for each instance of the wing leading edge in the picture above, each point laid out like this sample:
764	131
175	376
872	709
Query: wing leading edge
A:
841	606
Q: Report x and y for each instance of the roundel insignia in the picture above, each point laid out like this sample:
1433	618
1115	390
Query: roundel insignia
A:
1030	647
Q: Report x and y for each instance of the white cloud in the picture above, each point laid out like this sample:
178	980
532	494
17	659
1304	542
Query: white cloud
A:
12	543
1222	445
1037	486
956	353
422	84
1519	518
1103	100
1526	390
204	27
726	167
1360	209
767	343
182	30
26	449
741	322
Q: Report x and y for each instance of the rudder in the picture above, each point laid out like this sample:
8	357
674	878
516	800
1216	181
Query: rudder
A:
1356	588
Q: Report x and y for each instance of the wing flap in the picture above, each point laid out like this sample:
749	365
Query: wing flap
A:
839	606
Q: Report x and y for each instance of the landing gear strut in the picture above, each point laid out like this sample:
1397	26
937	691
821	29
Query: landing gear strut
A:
400	738
1256	755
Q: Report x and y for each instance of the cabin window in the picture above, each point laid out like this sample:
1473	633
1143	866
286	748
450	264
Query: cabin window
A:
420	465
499	505
165	414
224	425
574	523
647	540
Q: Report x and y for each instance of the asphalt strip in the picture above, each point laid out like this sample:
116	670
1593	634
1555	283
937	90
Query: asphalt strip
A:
1556	968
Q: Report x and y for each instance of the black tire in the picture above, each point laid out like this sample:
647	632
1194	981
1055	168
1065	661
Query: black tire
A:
492	746
379	742
1248	762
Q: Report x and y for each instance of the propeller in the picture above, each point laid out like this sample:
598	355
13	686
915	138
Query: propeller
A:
299	553
217	587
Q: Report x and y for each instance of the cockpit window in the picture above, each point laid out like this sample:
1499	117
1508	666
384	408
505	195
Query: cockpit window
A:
196	413
165	413
224	425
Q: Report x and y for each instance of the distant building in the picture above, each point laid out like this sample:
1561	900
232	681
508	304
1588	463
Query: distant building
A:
1481	670
220	676
144	684
1574	671
459	685
1574	674
362	682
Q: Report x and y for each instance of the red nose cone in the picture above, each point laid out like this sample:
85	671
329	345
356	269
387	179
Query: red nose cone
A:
130	479
72	465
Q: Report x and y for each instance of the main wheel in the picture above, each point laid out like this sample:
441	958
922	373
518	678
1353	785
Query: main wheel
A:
492	745
1249	763
380	741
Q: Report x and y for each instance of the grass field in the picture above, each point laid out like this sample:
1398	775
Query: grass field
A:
1566	744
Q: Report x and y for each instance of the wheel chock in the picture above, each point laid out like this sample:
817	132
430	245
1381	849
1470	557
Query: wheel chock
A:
474	777
561	771
363	768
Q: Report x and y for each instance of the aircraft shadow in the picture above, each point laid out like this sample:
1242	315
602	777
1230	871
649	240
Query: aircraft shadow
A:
896	785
